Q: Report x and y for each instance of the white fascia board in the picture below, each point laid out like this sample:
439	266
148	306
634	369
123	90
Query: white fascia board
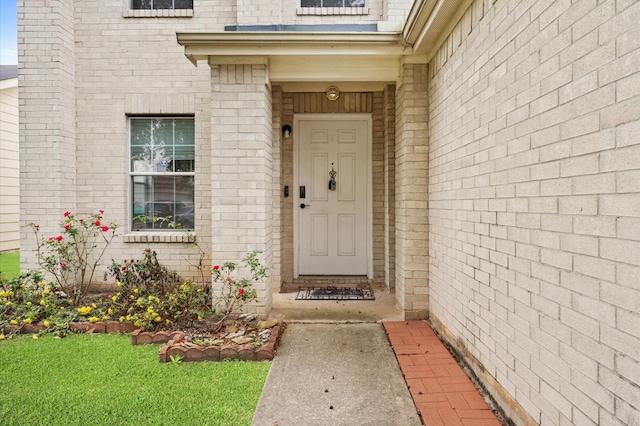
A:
429	23
209	46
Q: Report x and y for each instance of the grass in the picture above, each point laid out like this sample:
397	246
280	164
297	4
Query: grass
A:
10	265
101	379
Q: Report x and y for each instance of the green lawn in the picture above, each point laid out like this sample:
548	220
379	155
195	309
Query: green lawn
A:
10	265
102	380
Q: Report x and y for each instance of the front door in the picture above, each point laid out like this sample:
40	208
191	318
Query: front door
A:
332	214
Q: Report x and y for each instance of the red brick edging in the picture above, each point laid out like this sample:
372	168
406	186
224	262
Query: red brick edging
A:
173	341
82	327
220	353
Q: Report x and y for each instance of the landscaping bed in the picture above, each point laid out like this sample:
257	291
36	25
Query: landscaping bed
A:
246	341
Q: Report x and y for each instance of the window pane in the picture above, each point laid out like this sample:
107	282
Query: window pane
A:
310	3
354	3
169	198
141	4
163	4
162	145
183	4
332	3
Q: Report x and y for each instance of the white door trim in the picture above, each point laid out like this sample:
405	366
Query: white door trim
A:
296	195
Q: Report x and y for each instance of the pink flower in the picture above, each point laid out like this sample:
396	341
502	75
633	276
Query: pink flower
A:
96	223
59	238
66	214
105	228
67	226
215	268
81	220
101	211
240	291
62	265
50	239
37	227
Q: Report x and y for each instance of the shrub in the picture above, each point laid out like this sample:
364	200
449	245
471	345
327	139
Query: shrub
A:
152	297
28	299
73	256
235	292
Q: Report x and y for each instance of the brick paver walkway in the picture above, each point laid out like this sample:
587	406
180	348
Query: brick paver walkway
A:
442	392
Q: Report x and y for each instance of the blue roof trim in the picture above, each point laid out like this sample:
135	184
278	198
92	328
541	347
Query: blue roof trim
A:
311	28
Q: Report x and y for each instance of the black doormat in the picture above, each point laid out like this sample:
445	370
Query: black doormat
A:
336	293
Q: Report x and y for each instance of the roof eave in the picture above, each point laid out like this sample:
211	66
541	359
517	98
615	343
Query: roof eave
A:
429	23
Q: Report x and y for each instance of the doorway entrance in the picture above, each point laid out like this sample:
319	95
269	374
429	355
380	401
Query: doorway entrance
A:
332	190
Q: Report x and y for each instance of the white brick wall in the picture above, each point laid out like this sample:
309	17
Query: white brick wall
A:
534	199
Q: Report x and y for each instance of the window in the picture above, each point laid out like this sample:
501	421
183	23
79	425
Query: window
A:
331	3
162	4
162	172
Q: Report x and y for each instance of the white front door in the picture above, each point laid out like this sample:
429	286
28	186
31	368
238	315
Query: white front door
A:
332	223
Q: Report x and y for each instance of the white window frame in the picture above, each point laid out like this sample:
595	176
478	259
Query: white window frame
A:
131	214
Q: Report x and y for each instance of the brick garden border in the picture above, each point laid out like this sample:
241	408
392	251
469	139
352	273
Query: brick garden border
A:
172	341
82	327
193	353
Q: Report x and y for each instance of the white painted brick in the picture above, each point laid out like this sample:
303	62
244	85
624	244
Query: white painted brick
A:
594	267
580	244
620	205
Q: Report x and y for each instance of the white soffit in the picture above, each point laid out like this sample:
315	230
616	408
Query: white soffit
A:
430	22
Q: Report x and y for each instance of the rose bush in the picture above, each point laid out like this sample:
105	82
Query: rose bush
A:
231	293
73	256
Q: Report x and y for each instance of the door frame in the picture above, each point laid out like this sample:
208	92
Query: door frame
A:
328	117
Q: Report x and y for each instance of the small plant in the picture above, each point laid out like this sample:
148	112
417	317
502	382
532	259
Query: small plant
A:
235	292
176	359
152	297
28	299
166	222
146	273
73	256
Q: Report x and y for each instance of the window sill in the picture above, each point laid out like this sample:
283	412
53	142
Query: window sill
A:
327	11
158	13
159	237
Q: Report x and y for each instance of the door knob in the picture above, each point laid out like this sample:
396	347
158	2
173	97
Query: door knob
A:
303	205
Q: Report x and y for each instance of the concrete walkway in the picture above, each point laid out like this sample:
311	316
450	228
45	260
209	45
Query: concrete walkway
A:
394	373
335	374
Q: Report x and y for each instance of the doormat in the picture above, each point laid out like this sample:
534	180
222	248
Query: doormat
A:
336	293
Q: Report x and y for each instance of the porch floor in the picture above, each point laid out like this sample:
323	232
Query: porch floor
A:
384	308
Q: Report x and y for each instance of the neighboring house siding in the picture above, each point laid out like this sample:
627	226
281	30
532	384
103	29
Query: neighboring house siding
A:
534	183
9	165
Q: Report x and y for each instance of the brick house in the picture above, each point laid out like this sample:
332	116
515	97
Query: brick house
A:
486	157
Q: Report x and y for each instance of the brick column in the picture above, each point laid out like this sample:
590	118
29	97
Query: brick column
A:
411	192
47	118
241	168
389	160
